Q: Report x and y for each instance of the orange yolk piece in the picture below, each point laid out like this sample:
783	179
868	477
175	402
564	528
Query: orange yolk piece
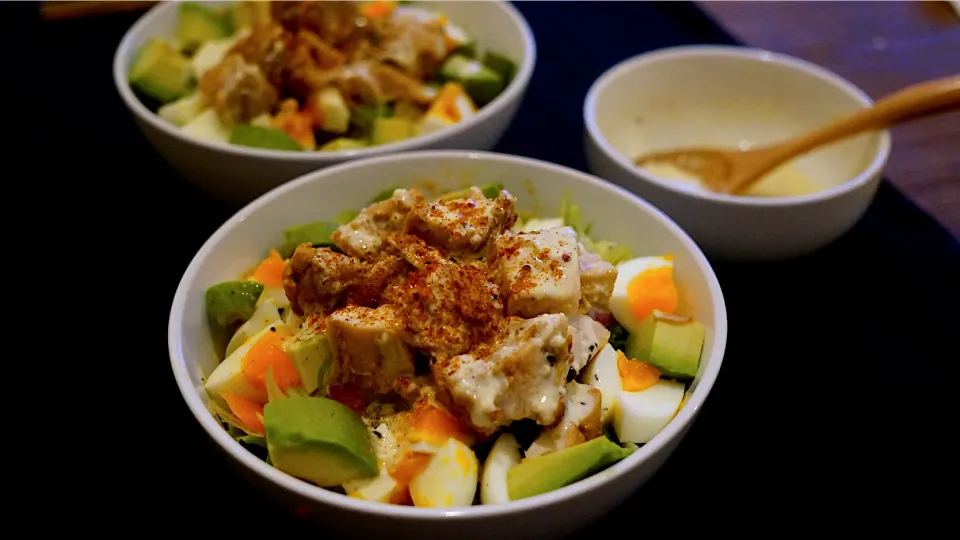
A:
270	270
377	10
652	290
295	123
248	411
268	352
409	466
636	375
434	426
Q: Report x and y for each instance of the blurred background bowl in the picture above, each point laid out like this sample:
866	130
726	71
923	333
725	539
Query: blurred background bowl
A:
238	174
735	97
617	216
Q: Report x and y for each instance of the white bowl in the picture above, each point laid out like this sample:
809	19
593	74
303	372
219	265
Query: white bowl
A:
539	186
238	174
724	96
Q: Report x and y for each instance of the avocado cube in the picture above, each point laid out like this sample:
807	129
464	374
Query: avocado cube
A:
160	71
261	137
319	440
343	143
232	302
199	24
388	130
315	233
481	83
673	344
501	64
549	472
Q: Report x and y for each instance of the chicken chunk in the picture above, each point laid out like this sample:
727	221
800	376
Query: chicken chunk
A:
462	224
518	376
367	81
316	278
589	336
268	46
417	47
237	90
597	278
449	306
320	279
365	236
312	63
368	348
335	22
580	423
538	271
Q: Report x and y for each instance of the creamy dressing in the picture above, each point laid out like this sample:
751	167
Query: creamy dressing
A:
784	181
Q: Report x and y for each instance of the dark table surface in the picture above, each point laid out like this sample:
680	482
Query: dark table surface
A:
835	397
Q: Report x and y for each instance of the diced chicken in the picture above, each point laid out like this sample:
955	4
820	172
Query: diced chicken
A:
580	423
316	278
366	81
336	22
319	279
268	46
449	306
418	47
312	64
597	278
368	347
237	90
365	236
589	336
518	376
463	223
538	271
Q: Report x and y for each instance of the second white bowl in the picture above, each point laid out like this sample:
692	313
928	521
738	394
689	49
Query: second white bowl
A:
730	97
238	174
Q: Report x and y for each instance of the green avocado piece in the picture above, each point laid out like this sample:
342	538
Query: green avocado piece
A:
232	302
364	116
490	191
384	195
480	82
310	352
501	64
160	71
346	216
388	130
199	24
246	14
319	440
261	137
673	344
555	470
316	233
343	143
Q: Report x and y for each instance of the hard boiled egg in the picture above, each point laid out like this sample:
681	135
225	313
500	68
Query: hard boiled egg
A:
503	456
636	416
265	314
602	374
643	285
228	377
451	106
382	488
449	479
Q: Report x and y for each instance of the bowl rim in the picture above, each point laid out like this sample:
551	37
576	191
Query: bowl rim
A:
512	93
744	53
676	427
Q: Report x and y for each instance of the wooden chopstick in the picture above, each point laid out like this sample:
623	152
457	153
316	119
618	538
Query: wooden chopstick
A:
56	11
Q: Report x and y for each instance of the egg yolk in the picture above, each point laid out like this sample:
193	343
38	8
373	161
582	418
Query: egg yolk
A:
270	270
652	290
435	426
636	376
249	412
268	352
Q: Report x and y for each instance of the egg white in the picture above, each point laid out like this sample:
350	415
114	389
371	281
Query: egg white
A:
603	374
626	271
449	479
503	456
227	378
638	416
265	314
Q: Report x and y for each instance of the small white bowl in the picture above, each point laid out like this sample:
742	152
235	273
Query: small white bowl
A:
238	174
617	215
727	96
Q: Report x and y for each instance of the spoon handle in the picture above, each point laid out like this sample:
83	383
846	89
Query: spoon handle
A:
916	101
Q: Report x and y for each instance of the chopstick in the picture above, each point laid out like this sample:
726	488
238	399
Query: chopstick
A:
57	11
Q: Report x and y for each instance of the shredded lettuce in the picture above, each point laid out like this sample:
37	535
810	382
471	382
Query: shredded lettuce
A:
609	251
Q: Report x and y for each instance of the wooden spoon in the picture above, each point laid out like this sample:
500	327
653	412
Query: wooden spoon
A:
731	171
